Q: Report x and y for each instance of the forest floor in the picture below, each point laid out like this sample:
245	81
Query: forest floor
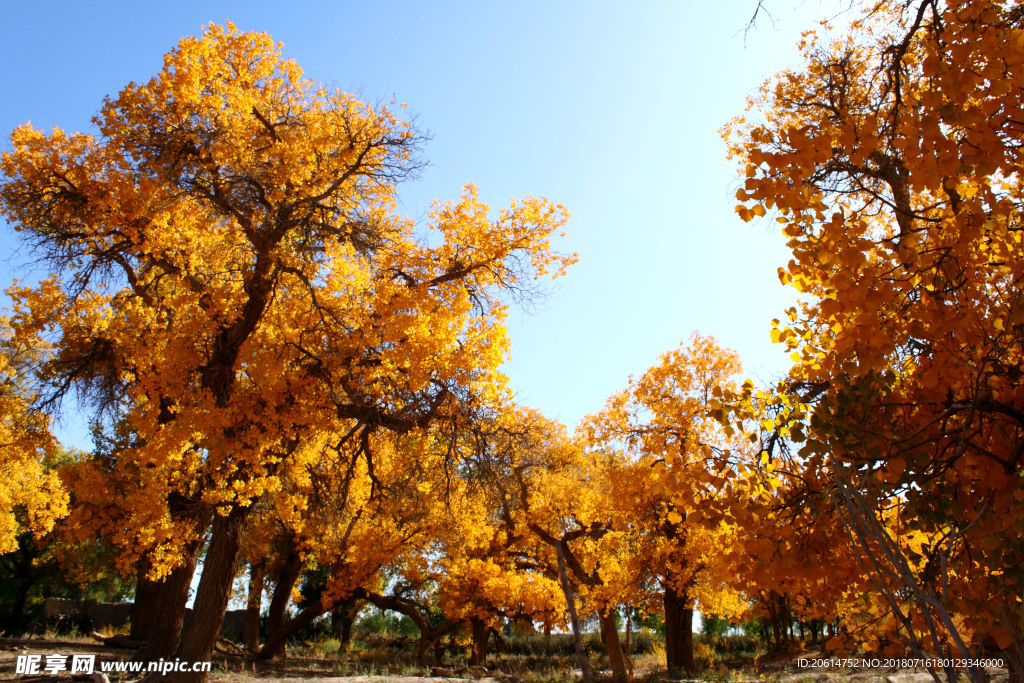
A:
237	669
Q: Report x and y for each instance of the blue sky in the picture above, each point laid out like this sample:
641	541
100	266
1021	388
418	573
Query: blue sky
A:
613	112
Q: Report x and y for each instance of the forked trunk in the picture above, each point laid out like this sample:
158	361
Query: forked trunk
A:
212	597
678	630
342	616
159	610
778	614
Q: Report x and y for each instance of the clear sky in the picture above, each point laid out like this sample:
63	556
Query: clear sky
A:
612	111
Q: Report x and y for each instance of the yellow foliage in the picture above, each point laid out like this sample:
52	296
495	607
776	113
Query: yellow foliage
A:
237	289
32	497
892	155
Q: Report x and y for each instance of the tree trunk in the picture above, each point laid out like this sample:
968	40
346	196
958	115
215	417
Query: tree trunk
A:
26	575
212	597
20	600
629	629
346	632
776	615
570	603
678	630
423	647
144	603
342	616
251	631
610	636
159	609
160	613
480	633
283	590
276	638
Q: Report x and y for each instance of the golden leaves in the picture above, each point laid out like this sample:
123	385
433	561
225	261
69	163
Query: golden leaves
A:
679	483
237	286
32	496
893	198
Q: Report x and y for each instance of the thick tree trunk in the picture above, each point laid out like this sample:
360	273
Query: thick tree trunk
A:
778	612
20	600
212	597
159	608
610	636
678	630
251	630
480	632
574	620
25	576
423	645
144	603
342	616
345	641
160	613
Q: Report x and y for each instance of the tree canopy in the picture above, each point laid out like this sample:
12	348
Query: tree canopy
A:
288	378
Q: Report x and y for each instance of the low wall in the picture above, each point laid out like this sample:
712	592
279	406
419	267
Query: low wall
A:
116	614
102	614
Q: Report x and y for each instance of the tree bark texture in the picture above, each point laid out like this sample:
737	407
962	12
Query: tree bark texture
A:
283	590
342	616
480	632
144	604
159	609
612	647
200	636
678	630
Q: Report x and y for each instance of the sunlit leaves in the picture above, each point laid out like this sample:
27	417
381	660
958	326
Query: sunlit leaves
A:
891	160
683	478
32	496
237	293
